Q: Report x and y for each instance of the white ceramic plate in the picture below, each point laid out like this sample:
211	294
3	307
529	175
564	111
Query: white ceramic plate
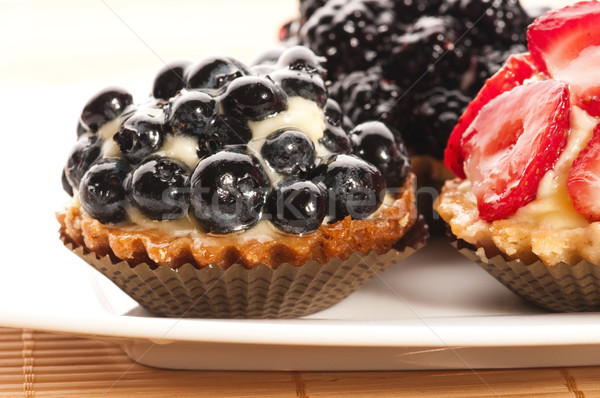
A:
435	310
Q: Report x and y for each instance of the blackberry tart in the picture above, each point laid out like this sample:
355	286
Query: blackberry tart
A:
237	191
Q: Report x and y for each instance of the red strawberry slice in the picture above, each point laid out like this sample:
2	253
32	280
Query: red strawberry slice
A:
583	183
516	69
565	44
513	141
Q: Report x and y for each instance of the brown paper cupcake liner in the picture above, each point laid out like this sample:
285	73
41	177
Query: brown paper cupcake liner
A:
561	288
260	292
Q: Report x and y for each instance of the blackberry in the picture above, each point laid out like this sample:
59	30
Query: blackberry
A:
190	112
434	119
289	152
408	11
228	191
375	143
499	23
105	106
485	65
214	72
221	132
160	189
253	98
352	35
102	191
296	207
170	79
354	187
85	152
366	95
427	54
308	8
139	136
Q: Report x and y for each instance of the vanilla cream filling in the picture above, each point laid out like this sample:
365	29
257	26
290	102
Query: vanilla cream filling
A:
301	114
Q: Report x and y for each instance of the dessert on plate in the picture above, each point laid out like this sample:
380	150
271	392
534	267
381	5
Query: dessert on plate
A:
236	190
526	156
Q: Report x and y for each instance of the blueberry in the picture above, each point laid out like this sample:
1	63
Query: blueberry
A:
375	143
354	187
105	106
214	72
333	112
289	152
65	183
296	207
223	131
335	139
139	136
85	152
170	79
102	191
301	58
254	98
228	191
300	83
190	112
160	188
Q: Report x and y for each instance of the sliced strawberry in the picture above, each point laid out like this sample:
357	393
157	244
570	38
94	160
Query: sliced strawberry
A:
513	141
516	69
565	44
583	183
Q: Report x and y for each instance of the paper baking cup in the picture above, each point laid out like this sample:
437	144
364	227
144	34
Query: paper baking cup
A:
237	292
561	288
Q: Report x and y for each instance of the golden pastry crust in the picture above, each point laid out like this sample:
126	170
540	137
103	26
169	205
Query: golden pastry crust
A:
378	233
515	239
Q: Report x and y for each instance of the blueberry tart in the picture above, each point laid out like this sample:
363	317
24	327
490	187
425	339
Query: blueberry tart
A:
237	191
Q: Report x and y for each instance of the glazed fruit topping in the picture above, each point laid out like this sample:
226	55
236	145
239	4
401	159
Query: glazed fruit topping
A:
160	189
515	71
190	112
254	98
139	136
223	131
375	143
562	44
170	79
225	146
355	187
583	183
102	190
214	72
105	106
289	152
228	191
512	142
296	206
85	152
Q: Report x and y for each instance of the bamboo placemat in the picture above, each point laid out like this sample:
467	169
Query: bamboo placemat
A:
39	364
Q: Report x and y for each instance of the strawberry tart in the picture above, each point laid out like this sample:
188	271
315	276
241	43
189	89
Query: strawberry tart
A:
525	202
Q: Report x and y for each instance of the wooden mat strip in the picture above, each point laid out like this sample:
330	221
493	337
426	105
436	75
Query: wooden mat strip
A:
38	364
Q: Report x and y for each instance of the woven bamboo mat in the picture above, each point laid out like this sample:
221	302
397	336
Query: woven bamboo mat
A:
38	364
